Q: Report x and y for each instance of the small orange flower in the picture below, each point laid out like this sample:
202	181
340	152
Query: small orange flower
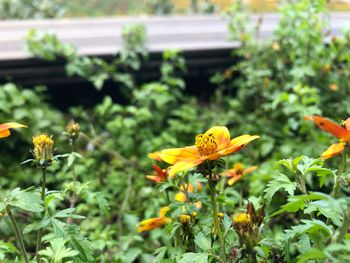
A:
342	132
237	171
333	87
156	222
181	196
212	145
160	176
5	128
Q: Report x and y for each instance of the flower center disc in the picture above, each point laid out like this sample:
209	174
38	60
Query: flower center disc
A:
206	143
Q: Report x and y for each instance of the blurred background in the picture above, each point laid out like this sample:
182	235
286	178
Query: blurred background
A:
26	9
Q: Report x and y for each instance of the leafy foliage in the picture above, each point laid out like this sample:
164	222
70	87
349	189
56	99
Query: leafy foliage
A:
292	210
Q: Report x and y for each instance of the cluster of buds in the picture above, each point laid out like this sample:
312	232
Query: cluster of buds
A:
43	150
73	129
247	226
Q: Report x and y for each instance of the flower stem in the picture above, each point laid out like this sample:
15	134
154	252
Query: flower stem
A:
18	234
343	229
73	197
340	173
217	228
43	189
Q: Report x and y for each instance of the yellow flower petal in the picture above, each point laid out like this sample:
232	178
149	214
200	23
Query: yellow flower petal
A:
154	156
180	197
238	143
333	150
174	155
163	211
222	135
4	128
150	224
184	165
250	169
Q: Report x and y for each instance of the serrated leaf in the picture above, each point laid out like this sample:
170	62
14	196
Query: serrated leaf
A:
311	254
280	182
57	252
309	226
299	202
202	242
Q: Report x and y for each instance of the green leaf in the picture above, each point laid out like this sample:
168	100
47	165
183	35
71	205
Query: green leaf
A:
194	257
299	202
311	254
280	182
132	254
57	252
84	247
202	242
58	228
37	225
28	201
314	226
328	207
67	213
227	222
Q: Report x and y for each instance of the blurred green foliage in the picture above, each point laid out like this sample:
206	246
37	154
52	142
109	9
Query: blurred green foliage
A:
268	92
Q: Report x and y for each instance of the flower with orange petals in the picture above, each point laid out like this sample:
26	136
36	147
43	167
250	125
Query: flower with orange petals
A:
161	175
342	132
236	172
212	145
156	222
5	128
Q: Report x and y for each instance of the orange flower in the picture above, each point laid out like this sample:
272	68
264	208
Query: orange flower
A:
212	145
4	128
160	176
342	132
236	172
156	222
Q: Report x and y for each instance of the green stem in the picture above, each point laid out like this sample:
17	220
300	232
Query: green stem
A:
18	234
167	196
338	176
216	222
73	197
43	189
344	227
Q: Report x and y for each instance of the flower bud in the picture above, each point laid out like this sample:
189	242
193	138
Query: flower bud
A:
43	147
73	129
184	219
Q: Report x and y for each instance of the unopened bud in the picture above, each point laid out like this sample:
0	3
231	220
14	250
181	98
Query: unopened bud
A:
73	129
43	148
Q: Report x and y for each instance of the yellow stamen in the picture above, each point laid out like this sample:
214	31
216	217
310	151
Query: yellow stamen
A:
206	143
